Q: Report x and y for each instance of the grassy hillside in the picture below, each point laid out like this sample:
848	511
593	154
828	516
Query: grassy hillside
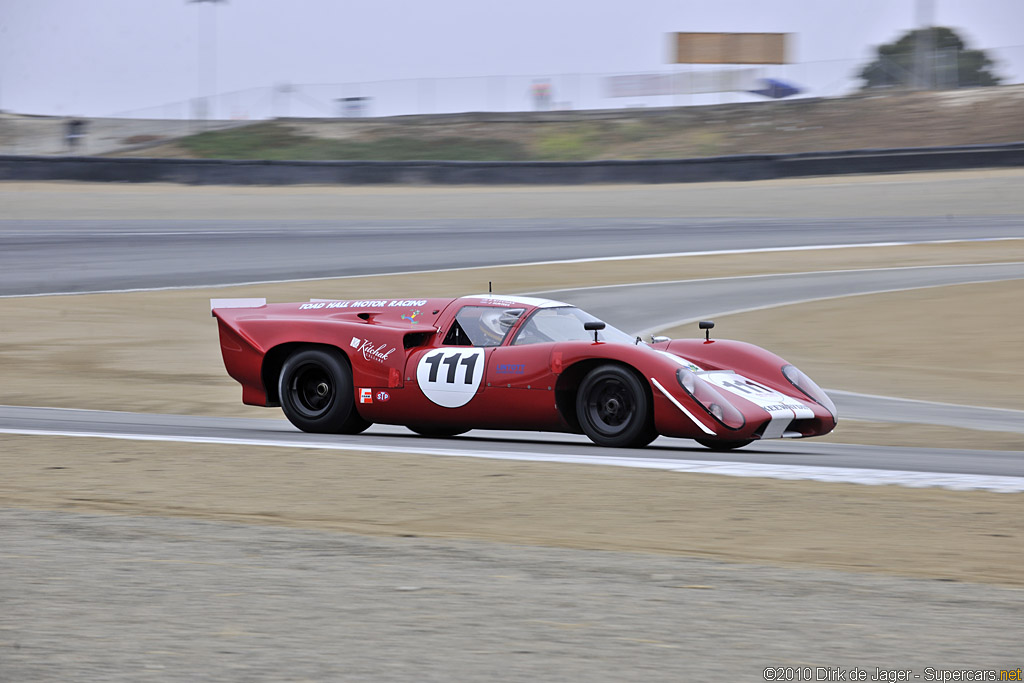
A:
278	141
922	119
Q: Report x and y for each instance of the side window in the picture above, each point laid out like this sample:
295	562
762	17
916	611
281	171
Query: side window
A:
457	337
482	325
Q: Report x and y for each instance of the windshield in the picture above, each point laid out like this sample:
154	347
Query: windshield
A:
565	323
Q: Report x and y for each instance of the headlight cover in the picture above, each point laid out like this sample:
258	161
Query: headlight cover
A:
807	386
710	399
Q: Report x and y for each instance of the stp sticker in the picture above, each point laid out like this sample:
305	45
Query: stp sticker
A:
450	377
366	395
383	396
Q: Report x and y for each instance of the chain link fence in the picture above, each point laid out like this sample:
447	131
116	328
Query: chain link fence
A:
572	91
505	93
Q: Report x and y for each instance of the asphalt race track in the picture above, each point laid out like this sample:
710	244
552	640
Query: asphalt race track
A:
45	256
51	256
510	444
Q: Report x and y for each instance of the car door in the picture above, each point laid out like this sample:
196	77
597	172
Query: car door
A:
448	377
520	388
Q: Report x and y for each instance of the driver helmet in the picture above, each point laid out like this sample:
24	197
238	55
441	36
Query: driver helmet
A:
496	323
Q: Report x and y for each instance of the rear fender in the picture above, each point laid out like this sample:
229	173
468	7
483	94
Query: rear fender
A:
274	361
243	361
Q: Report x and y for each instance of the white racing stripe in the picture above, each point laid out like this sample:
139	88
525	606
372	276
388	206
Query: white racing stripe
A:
681	407
783	409
847	475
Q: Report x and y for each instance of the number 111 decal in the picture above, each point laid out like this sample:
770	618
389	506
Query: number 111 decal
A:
451	377
452	361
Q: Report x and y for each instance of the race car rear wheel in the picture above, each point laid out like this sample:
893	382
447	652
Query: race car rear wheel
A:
317	395
723	445
614	409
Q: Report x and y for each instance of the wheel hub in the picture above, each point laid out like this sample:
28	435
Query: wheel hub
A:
312	390
611	407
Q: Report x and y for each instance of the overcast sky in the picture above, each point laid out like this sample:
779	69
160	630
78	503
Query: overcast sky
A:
96	57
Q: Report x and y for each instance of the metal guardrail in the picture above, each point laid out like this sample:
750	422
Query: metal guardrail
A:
724	168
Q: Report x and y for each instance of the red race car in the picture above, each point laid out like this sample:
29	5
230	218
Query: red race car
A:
444	366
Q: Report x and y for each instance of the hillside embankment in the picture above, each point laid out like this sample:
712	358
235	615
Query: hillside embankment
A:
875	120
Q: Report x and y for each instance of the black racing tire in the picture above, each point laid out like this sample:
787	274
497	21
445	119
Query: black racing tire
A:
436	431
724	445
614	408
316	393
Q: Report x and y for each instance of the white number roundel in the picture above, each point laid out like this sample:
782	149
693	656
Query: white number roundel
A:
450	377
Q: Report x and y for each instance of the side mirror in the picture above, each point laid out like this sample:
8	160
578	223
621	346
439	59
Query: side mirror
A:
594	326
707	326
658	339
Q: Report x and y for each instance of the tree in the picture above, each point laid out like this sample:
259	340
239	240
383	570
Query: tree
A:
925	58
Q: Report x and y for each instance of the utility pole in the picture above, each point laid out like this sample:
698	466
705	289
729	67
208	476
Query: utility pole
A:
924	65
207	69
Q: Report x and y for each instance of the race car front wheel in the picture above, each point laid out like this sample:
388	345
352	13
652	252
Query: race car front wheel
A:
613	408
317	395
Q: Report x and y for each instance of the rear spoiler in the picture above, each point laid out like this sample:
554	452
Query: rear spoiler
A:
236	303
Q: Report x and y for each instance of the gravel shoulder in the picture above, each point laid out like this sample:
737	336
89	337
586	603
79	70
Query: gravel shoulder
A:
171	599
930	533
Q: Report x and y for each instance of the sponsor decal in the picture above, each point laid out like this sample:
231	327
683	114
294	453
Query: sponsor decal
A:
356	341
365	395
510	369
366	303
450	377
383	396
411	317
777	406
375	353
401	303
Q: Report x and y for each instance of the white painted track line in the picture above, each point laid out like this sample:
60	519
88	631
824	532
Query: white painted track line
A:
959	482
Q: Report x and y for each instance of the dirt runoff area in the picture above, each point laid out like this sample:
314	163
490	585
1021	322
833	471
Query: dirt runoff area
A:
967	536
157	352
